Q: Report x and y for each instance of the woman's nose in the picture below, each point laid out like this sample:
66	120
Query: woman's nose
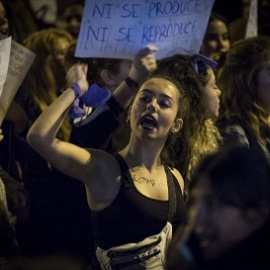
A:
152	105
222	44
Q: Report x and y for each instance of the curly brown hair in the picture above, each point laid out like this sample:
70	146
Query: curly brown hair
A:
198	135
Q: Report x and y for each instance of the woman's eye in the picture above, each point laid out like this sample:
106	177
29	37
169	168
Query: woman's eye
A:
164	105
225	37
144	99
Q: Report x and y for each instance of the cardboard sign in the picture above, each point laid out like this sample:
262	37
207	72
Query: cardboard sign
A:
120	28
20	61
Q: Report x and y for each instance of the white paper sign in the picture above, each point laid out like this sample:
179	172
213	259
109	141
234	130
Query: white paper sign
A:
120	28
19	63
5	45
252	24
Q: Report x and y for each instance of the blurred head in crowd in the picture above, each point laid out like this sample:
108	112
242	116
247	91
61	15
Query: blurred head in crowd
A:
245	84
230	196
70	17
216	40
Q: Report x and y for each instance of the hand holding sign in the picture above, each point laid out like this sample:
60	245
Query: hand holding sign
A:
144	63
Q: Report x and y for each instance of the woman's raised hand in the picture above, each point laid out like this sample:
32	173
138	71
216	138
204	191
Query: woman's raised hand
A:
143	63
78	74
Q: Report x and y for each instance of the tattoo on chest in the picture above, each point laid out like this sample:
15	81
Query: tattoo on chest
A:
148	181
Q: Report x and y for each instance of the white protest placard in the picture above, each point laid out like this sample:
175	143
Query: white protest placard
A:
120	28
5	45
252	24
19	63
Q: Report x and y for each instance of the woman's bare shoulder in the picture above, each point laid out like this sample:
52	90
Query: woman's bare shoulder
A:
179	178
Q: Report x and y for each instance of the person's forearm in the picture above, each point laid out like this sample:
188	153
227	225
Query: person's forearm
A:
143	64
45	128
124	94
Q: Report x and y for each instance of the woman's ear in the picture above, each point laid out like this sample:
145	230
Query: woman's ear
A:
178	123
107	78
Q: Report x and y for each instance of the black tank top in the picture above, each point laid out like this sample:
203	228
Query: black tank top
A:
131	217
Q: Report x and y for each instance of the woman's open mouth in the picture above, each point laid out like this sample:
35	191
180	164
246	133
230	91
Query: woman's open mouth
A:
148	122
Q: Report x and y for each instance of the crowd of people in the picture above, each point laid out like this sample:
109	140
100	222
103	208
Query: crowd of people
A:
136	164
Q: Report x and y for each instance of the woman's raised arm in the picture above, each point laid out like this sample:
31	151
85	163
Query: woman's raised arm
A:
66	157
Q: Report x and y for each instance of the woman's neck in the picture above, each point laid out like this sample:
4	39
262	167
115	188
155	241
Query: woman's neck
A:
141	155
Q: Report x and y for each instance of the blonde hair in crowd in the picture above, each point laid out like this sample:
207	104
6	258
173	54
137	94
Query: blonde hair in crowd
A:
40	81
204	142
